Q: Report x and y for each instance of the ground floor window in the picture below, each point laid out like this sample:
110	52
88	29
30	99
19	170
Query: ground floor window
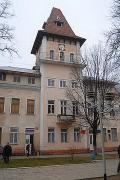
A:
63	135
76	135
114	134
51	135
14	135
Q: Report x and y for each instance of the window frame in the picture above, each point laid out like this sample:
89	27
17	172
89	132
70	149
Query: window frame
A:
77	135
16	79
75	108
2	104
62	56
51	106
72	57
31	80
2	76
29	106
51	135
62	83
63	107
51	54
51	82
64	135
12	135
15	107
115	137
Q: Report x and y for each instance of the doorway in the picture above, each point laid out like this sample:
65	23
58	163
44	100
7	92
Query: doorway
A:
91	141
29	139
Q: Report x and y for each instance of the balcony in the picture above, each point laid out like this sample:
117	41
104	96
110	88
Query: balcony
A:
109	96
58	58
90	94
65	119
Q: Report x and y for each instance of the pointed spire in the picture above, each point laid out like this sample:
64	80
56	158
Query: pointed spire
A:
57	24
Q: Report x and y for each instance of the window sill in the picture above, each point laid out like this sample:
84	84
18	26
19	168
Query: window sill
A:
17	114
30	114
51	114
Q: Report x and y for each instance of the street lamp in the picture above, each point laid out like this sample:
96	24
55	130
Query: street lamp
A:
102	139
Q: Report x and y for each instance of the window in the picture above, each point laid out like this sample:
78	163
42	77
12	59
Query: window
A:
60	24
2	76
2	100
14	135
31	80
64	135
51	135
62	83
114	134
109	134
76	135
16	78
104	134
52	54
75	108
30	106
112	113
71	57
15	105
51	82
74	84
62	56
63	107
51	107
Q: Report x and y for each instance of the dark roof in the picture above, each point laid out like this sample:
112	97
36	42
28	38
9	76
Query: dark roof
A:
51	29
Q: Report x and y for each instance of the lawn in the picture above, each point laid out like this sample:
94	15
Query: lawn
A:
32	162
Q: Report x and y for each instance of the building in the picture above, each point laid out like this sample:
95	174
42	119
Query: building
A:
33	104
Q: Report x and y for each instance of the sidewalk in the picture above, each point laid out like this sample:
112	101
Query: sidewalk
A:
61	172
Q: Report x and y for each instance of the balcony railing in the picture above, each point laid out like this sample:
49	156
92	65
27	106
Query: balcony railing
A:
58	58
109	96
67	119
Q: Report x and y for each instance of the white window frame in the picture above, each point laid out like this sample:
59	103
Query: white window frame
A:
51	106
14	132
76	134
51	135
51	82
72	57
63	135
31	80
63	107
75	108
62	83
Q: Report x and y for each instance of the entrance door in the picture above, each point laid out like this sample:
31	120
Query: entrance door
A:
91	141
29	138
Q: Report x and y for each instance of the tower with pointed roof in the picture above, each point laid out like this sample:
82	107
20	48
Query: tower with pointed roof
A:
57	50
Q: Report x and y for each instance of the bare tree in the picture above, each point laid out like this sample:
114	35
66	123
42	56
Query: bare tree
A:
113	36
6	32
91	89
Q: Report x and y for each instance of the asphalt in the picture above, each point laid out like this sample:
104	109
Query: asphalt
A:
60	172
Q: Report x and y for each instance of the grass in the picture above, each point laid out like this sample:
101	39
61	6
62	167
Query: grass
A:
32	162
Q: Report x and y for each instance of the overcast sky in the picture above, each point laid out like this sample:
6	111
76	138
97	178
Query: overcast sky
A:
88	19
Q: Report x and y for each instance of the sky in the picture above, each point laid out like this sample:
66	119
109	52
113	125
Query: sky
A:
88	18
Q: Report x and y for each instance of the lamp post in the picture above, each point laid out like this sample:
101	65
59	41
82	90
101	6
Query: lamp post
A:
102	140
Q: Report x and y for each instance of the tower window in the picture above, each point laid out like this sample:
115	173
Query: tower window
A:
59	23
